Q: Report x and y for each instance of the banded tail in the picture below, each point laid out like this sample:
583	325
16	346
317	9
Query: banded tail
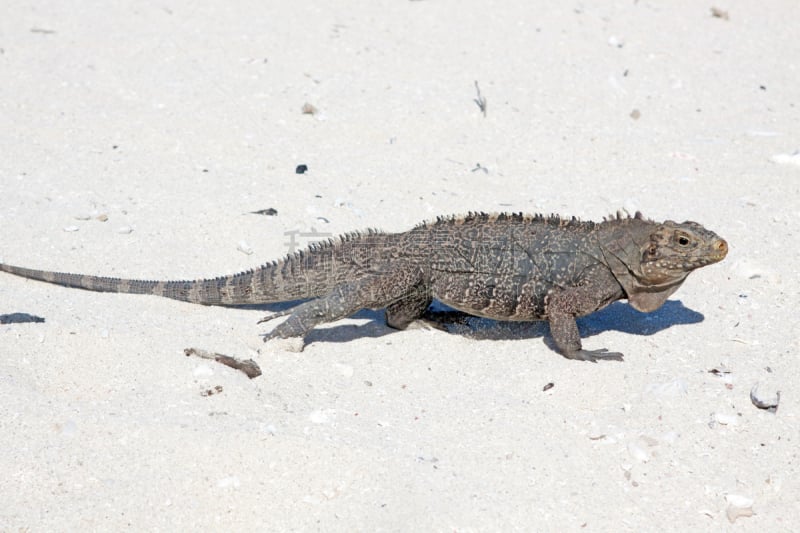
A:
228	290
306	274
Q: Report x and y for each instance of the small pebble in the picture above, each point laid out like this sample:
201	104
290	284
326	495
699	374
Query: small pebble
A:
270	211
71	228
738	507
765	400
719	13
244	248
124	230
724	419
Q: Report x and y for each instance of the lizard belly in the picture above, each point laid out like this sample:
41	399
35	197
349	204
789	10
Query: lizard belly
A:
488	298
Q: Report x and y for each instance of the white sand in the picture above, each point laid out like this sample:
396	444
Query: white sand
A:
176	120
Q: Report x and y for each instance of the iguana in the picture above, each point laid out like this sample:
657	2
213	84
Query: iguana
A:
499	266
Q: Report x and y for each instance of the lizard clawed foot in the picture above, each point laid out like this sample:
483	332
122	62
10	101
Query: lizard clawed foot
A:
269	336
594	355
283	335
275	333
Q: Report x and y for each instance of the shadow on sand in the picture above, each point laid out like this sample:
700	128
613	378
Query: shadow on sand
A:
618	316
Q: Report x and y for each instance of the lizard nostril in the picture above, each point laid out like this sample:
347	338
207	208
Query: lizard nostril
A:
721	246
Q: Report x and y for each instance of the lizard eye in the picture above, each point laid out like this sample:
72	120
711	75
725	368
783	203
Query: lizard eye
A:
683	240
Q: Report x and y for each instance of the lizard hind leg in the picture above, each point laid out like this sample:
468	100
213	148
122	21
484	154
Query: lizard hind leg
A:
344	300
302	319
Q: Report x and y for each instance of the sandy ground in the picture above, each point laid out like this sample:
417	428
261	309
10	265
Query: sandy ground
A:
175	121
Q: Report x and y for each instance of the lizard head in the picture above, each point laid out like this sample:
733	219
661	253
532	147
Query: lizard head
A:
673	250
652	260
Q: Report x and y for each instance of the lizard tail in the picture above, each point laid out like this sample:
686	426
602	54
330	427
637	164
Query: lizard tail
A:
307	274
230	290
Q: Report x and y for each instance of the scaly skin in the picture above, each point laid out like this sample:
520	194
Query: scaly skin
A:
502	266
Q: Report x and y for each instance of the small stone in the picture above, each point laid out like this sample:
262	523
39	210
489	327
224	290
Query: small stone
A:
724	419
270	211
765	400
124	230
719	13
738	506
71	228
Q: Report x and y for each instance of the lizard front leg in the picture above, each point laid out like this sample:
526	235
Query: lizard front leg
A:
562	305
409	308
564	330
